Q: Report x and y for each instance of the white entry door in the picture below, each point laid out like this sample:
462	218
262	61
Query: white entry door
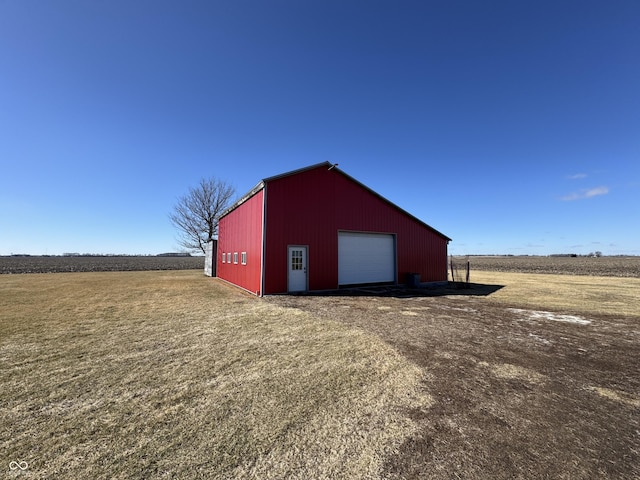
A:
297	269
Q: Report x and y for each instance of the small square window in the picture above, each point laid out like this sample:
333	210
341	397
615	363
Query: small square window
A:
224	256
235	257
244	258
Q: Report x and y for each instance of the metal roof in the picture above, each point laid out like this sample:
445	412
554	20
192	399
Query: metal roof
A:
332	166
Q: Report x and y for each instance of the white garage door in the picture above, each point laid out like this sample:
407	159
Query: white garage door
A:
365	258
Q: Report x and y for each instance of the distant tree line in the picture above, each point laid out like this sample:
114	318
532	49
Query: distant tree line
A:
68	254
170	254
575	255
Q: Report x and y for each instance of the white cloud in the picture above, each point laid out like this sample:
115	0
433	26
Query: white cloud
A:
594	192
571	196
581	195
577	176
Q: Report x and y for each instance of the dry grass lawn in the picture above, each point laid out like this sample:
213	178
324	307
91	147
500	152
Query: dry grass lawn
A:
572	293
173	375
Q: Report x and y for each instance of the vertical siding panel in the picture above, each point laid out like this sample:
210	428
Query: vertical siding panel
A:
241	231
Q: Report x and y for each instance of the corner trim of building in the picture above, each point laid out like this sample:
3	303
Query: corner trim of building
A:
264	239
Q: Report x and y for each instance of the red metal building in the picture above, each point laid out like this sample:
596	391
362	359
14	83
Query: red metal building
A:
317	228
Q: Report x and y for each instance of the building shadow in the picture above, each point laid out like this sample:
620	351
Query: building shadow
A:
402	291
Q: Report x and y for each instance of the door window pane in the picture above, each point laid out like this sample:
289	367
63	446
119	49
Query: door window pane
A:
296	259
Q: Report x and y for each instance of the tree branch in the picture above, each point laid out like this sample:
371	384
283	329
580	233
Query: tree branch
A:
197	213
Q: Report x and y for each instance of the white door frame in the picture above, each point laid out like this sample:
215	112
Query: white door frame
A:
297	271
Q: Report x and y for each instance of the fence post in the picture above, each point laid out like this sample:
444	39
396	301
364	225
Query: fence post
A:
453	279
468	269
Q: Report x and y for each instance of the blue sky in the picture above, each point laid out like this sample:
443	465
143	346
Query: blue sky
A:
512	127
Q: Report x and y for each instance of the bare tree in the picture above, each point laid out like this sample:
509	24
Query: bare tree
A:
197	213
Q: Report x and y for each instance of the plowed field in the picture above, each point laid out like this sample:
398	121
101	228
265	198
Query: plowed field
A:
36	264
602	266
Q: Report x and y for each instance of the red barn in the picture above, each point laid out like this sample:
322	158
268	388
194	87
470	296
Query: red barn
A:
317	228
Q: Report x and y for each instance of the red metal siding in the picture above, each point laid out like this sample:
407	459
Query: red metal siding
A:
310	207
241	231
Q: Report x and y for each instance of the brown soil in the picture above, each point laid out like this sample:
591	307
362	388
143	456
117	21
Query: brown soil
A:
593	266
515	395
62	264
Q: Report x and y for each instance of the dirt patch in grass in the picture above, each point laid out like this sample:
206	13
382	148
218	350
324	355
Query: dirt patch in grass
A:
518	393
172	374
